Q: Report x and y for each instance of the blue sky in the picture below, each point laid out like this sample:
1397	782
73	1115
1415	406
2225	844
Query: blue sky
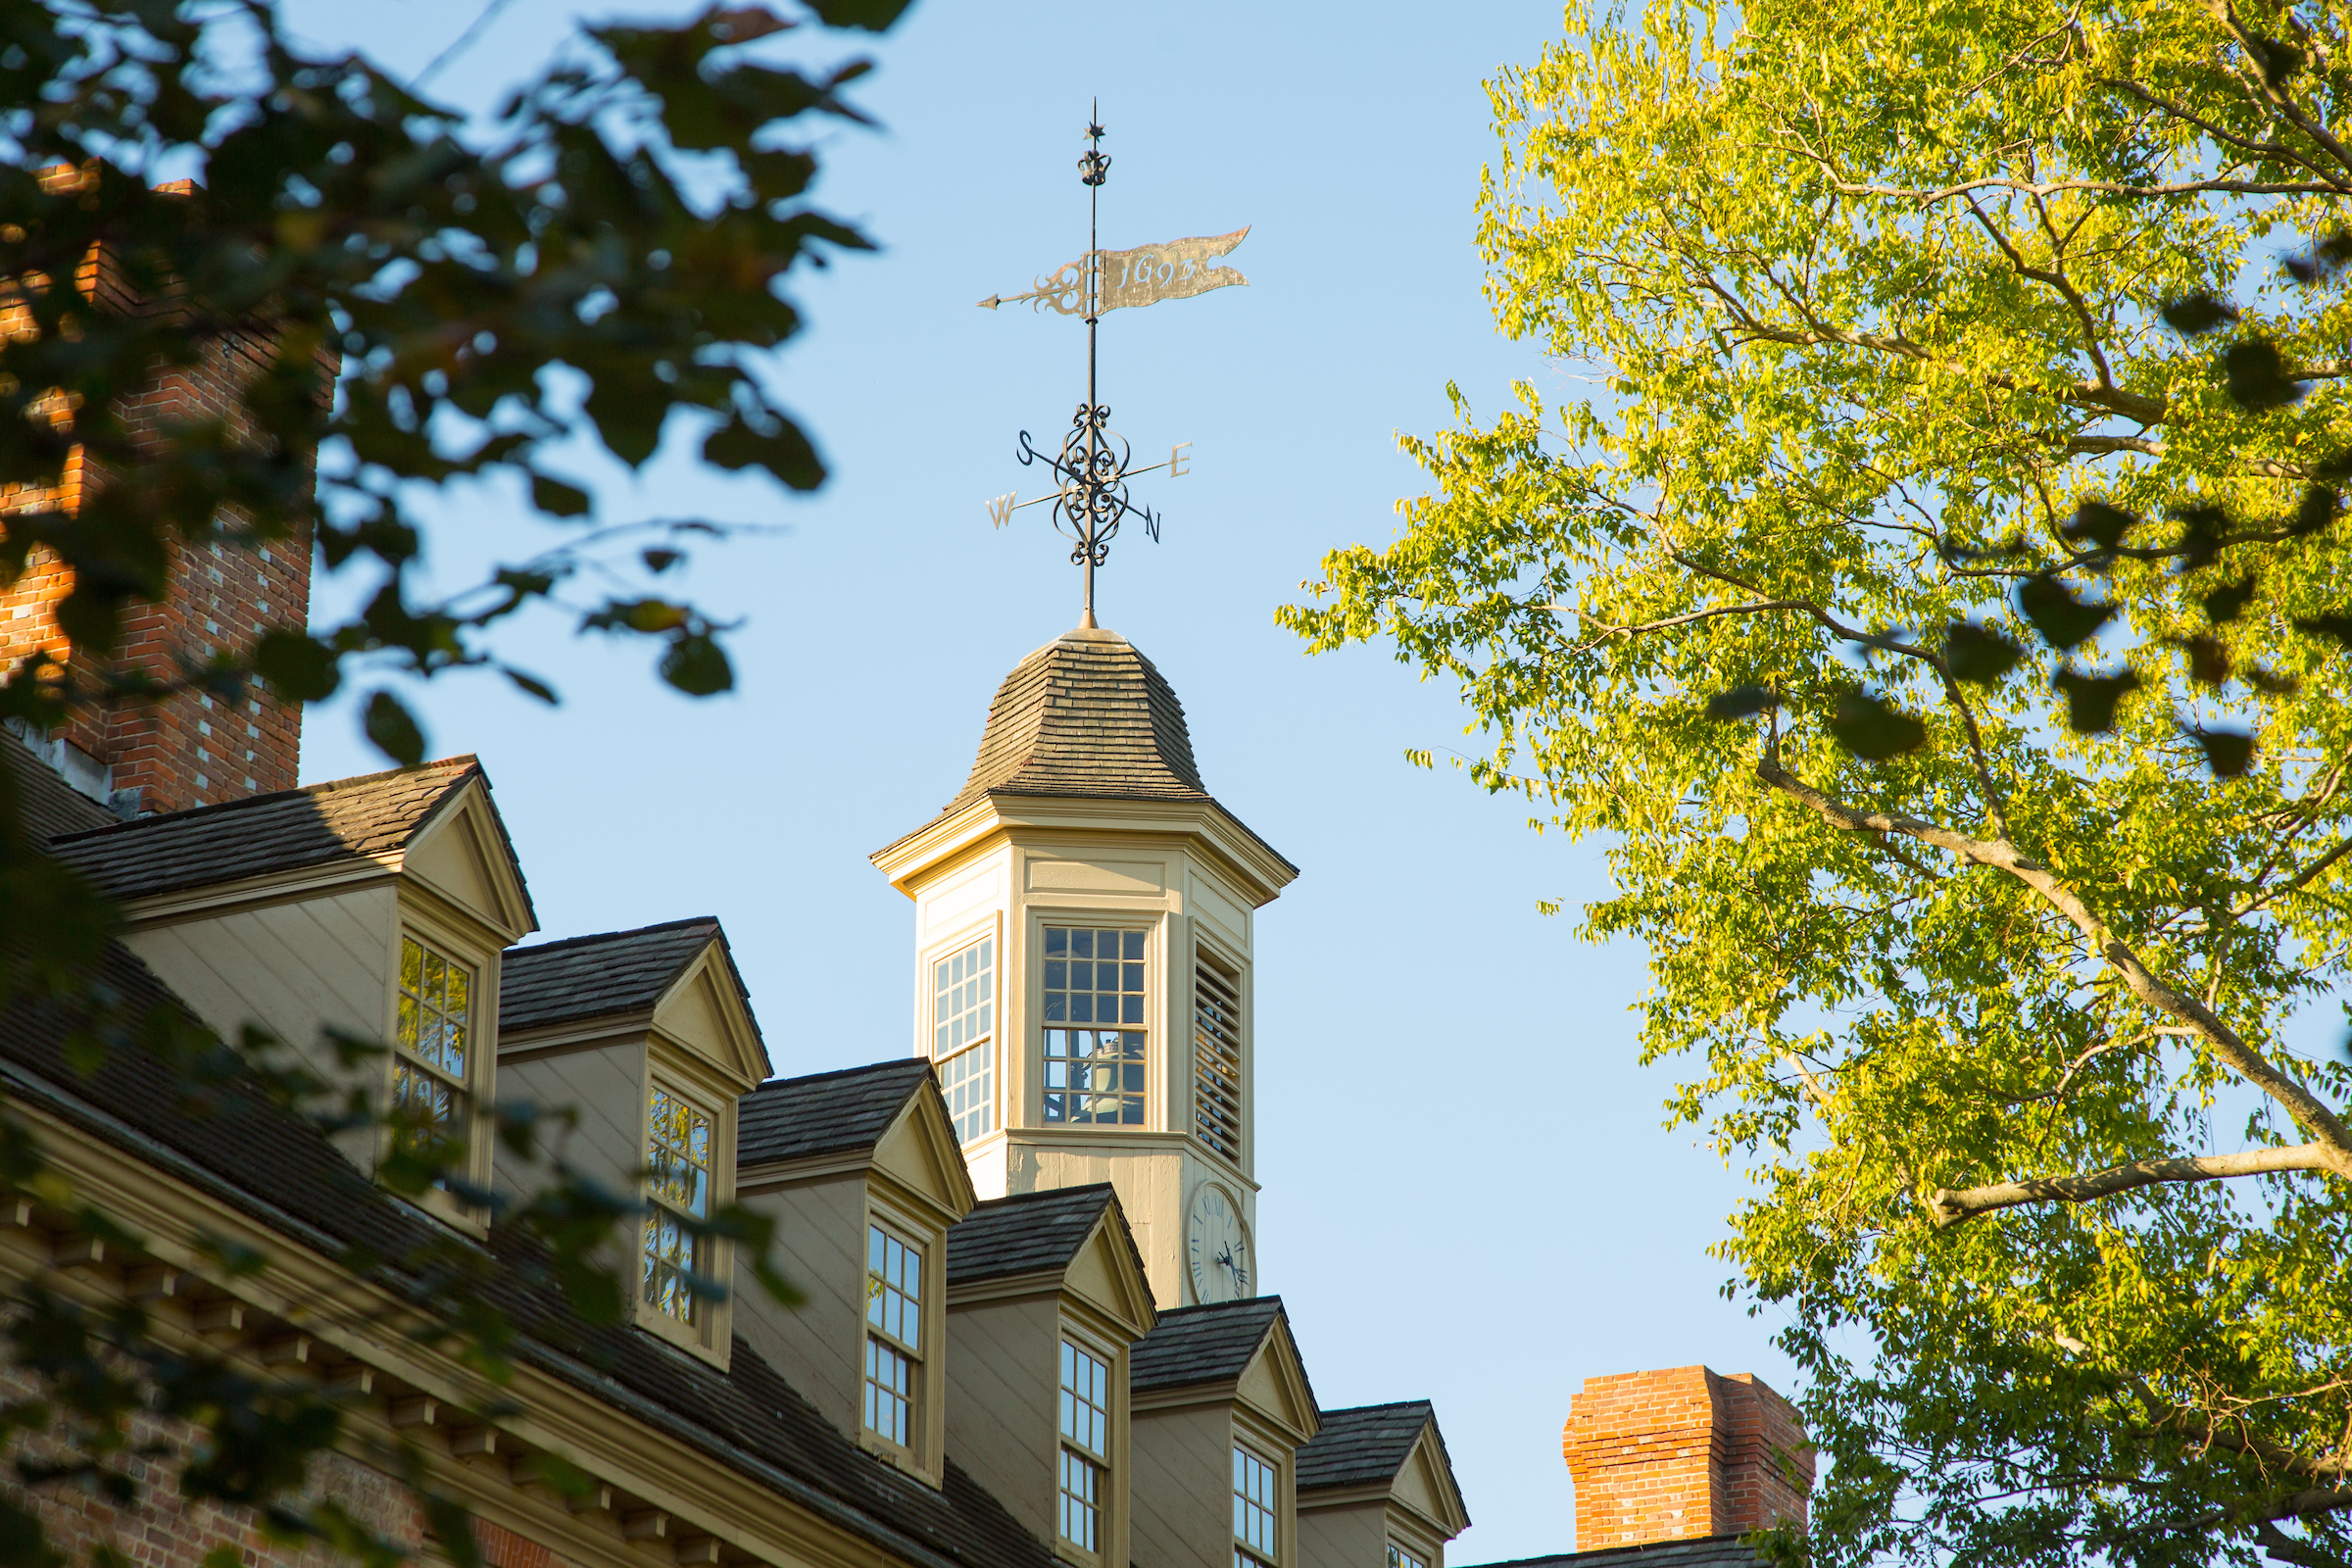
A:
1467	1191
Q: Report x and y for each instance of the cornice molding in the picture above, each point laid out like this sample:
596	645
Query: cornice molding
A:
1255	869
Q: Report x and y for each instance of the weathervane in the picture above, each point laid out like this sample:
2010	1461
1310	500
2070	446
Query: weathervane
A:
1092	465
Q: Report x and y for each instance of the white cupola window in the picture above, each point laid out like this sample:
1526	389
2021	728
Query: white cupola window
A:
1094	978
964	1036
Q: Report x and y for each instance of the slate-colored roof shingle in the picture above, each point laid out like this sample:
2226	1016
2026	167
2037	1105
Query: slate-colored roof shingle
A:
1195	1345
352	818
287	1177
1696	1551
825	1112
1363	1447
1029	1233
49	806
601	976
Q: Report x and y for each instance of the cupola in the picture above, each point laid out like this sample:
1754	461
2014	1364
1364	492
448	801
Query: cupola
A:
1084	913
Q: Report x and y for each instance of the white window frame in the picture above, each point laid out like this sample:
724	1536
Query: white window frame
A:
910	1352
1068	1447
1150	1028
1246	1549
983	1107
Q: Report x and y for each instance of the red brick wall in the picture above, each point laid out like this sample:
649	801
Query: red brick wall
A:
1682	1453
191	749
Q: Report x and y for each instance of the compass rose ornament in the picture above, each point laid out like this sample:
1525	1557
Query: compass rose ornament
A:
1092	468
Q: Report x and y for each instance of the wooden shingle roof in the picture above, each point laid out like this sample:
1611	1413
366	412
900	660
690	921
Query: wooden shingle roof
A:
1688	1551
598	976
1085	714
1365	1445
1195	1344
369	817
1029	1233
825	1112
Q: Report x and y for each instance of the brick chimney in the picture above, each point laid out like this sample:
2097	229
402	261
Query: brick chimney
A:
194	749
1685	1453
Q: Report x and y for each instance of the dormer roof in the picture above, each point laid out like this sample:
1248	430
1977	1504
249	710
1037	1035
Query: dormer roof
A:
1073	1238
825	1112
377	817
678	977
1242	1349
1394	1449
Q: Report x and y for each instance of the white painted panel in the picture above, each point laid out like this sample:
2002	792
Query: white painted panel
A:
1221	910
1097	876
945	905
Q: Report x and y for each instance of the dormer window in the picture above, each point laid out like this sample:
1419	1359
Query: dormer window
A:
678	1158
433	1040
964	1036
1094	1074
1404	1558
894	1335
1254	1542
1084	1446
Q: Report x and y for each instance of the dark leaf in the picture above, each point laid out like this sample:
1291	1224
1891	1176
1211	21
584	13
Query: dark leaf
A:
2090	699
784	453
2198	312
2101	523
2335	623
2202	530
2323	260
2257	377
2208	661
660	561
2229	752
2226	603
697	665
2261	681
2062	619
532	685
299	668
1872	728
555	497
2316	511
1742	701
1975	654
873	16
2277	60
393	731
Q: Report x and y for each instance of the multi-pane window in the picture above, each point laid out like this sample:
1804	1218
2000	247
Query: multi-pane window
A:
1253	1491
894	1334
678	1158
1084	1446
1217	1059
1402	1557
1094	1074
962	1036
433	1044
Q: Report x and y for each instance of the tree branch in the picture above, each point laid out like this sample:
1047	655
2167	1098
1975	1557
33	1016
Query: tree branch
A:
1949	1206
2325	1130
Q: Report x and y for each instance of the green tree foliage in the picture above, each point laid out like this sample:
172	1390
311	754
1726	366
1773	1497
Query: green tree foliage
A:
599	265
1938	601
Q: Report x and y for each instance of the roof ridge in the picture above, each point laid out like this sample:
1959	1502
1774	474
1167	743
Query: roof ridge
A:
1042	1193
1198	1307
1391	1405
471	764
777	1085
612	936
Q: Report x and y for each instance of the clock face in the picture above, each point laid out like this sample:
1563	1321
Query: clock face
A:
1218	1248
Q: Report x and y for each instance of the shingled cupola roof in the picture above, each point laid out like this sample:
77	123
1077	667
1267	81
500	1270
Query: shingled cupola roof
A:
1085	714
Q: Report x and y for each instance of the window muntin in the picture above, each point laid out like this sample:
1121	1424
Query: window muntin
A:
1253	1509
964	1036
894	1334
678	1158
1084	1446
1404	1558
1217	1059
433	1042
1093	976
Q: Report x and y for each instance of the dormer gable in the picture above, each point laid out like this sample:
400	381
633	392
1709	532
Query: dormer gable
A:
1240	1351
646	1040
333	911
1069	1239
859	1171
1378	1474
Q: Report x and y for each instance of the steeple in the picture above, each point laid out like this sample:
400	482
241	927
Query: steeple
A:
1083	965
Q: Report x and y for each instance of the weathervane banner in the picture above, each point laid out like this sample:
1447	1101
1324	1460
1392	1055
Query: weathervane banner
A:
1175	270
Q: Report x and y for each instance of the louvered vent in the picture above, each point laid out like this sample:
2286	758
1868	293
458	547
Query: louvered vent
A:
1217	1059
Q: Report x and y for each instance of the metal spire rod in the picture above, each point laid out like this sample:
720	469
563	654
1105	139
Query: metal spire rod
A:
1094	168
